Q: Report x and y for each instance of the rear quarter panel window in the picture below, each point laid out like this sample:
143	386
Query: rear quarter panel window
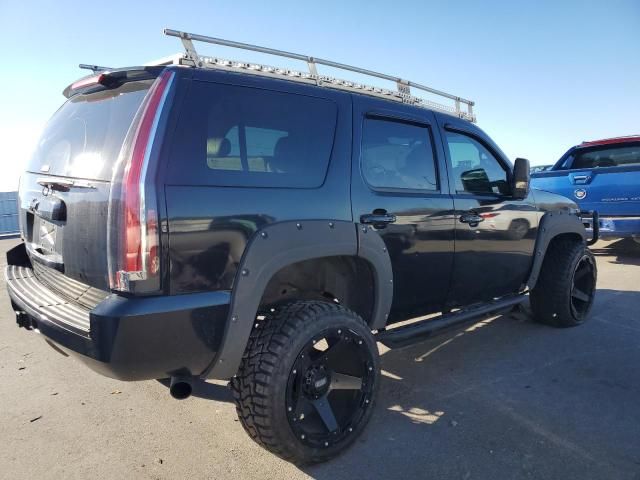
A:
610	156
249	137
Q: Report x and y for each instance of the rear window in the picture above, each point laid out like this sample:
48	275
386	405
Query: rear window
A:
84	137
397	155
248	137
610	156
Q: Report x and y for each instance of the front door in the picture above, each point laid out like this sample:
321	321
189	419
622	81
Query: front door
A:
400	189
495	234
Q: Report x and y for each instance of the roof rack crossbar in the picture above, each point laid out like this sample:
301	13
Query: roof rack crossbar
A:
403	86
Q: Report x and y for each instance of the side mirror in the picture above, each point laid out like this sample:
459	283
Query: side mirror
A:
520	179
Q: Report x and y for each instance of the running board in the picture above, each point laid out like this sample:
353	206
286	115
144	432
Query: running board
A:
416	332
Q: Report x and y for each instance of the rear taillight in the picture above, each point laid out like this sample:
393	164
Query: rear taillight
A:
134	254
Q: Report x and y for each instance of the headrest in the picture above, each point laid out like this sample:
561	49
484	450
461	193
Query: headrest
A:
283	147
218	147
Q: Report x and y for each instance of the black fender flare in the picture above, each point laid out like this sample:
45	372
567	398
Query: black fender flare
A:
551	225
284	243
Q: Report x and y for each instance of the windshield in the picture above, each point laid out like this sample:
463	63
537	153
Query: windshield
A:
84	137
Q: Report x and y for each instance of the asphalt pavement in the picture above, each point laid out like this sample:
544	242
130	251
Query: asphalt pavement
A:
505	398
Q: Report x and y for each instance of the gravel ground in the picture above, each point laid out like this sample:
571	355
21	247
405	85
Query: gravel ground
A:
505	398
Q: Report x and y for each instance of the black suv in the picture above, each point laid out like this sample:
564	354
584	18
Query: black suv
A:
208	220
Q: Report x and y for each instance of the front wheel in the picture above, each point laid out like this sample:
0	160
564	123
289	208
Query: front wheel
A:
307	382
564	293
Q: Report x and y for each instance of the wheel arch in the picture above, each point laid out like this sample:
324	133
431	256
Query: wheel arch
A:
298	247
554	226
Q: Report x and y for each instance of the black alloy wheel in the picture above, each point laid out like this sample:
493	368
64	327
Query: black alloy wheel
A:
583	286
330	387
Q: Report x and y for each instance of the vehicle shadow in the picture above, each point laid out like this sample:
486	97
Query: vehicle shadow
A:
626	251
207	390
482	402
504	397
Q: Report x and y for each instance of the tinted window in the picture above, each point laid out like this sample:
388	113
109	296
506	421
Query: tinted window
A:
614	156
397	155
475	169
241	136
84	137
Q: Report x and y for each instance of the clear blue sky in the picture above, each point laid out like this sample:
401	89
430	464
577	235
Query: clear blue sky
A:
545	75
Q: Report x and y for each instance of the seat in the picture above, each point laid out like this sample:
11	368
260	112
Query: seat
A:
286	155
418	170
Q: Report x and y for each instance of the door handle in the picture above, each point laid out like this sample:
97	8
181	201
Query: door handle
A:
378	220
581	179
472	218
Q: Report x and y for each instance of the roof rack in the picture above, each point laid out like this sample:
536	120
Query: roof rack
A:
402	94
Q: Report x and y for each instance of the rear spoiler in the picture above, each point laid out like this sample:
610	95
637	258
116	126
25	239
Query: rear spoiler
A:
104	78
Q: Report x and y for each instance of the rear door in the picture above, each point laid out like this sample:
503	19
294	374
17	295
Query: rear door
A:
399	186
494	234
64	193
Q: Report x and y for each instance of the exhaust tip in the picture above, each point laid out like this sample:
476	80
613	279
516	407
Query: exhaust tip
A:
180	387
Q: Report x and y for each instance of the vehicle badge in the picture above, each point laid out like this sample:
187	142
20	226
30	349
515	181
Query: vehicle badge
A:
580	193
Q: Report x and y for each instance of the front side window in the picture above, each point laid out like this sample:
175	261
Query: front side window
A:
242	136
475	169
397	155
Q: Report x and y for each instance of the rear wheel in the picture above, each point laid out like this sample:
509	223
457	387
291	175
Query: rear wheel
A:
564	293
307	382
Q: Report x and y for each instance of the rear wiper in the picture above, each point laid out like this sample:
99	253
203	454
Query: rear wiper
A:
63	184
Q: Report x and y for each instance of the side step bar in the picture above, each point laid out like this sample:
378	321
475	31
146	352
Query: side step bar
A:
418	331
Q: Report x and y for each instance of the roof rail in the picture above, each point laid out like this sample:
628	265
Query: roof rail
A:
402	94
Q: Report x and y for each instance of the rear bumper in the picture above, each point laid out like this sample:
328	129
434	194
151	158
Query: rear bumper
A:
615	226
125	338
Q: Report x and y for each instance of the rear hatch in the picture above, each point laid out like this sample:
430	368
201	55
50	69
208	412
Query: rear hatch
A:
605	178
64	194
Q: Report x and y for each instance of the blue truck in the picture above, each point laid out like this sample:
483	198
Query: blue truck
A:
601	176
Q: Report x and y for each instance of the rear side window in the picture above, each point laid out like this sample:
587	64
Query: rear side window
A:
248	137
397	155
84	137
613	156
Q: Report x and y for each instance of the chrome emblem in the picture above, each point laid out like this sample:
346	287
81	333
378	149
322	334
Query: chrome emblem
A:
580	193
